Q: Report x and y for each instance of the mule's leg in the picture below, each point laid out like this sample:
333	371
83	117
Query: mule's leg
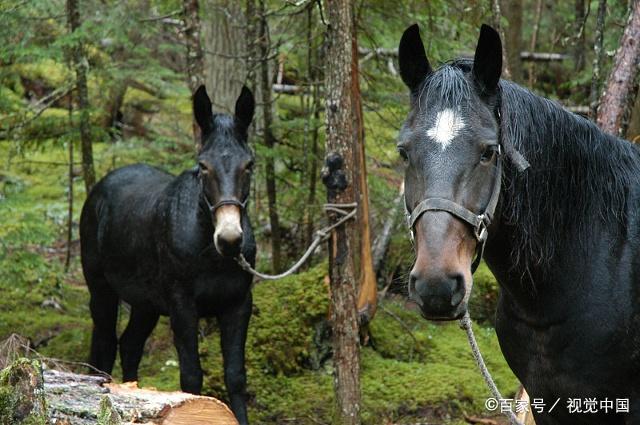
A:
233	327
184	323
104	312
140	326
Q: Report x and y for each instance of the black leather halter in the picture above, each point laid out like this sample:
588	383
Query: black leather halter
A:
213	208
478	222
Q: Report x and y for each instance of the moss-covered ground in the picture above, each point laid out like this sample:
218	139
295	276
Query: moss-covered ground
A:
411	368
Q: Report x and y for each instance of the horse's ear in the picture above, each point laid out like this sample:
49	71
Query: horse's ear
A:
487	61
202	109
414	65
245	106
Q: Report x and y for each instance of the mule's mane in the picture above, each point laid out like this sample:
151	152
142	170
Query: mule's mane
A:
580	178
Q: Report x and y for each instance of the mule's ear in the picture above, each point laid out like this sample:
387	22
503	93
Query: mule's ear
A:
487	61
245	106
202	109
414	65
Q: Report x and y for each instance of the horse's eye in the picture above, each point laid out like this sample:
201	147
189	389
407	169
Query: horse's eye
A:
488	154
249	167
403	154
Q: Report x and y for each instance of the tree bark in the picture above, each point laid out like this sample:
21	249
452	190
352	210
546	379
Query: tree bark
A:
579	46
224	47
497	16
367	288
81	66
614	102
315	73
195	60
597	59
268	137
512	11
534	42
89	399
338	177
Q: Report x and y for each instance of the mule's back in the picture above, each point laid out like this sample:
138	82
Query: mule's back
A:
117	220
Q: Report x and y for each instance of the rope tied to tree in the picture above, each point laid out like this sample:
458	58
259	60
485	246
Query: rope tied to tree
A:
321	235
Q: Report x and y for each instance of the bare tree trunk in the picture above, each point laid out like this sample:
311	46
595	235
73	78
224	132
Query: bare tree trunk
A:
338	177
497	16
512	10
633	132
597	59
313	61
81	66
224	47
195	60
367	288
579	47
381	244
67	260
614	102
268	137
534	42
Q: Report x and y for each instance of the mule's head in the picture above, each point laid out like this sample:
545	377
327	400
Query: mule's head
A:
449	144
225	165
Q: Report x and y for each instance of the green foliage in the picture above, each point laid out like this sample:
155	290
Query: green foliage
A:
19	401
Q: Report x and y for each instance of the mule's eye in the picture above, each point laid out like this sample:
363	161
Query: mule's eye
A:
488	154
403	154
203	168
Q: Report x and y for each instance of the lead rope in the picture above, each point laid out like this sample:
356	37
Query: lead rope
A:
321	236
465	323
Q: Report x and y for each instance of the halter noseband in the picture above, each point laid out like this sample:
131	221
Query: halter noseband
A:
478	222
213	208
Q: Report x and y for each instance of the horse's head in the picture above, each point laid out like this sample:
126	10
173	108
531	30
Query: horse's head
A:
450	146
225	166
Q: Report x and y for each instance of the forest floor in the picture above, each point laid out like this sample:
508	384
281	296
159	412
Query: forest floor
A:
412	370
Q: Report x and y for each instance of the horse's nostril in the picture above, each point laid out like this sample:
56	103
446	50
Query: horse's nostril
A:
458	289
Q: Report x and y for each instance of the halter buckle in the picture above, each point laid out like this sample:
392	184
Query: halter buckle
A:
481	232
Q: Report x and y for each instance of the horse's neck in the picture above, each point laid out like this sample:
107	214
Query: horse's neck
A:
538	294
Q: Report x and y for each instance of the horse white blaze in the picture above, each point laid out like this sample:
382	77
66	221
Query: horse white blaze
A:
228	224
446	127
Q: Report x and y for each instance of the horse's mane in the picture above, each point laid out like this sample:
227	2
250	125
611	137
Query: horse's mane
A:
579	177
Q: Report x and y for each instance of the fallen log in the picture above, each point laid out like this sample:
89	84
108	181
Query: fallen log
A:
75	399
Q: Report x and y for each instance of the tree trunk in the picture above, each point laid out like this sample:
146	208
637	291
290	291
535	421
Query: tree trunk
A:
315	74
597	59
579	46
81	66
195	60
338	177
512	11
367	288
614	103
224	47
381	244
497	16
534	42
268	137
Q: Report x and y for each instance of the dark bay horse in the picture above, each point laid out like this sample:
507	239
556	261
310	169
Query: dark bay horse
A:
563	234
165	245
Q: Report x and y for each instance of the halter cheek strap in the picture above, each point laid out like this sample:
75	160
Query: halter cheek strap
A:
478	222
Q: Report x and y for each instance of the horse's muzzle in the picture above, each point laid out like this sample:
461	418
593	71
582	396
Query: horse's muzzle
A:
440	297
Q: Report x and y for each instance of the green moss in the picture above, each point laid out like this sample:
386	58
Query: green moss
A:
107	414
484	296
22	394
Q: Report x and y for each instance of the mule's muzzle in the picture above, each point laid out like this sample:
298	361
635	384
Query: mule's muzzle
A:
440	296
228	234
